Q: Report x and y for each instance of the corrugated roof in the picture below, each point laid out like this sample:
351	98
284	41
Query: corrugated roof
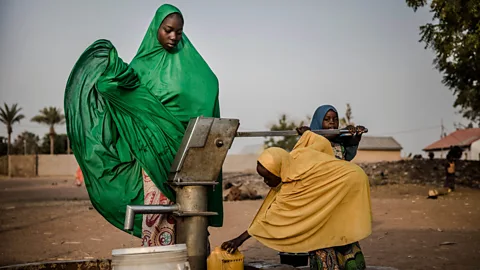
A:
379	143
461	137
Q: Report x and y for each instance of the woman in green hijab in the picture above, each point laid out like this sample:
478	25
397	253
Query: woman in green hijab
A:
126	122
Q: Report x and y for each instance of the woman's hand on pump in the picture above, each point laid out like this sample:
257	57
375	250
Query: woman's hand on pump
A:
355	130
360	130
351	129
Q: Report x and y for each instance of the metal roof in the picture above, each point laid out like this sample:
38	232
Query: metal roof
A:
379	143
461	137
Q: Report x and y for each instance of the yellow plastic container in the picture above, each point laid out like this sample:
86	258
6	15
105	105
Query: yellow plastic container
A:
221	260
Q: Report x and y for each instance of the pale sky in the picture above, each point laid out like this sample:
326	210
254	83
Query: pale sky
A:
271	57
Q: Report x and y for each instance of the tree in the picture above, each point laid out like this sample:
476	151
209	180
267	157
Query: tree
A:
10	116
25	143
60	144
286	143
458	126
50	116
3	146
347	120
454	36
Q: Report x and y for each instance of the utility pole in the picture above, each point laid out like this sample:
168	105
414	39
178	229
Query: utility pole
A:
24	146
441	128
442	134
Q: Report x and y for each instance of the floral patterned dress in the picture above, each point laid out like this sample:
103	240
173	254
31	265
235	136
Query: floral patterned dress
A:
157	229
348	257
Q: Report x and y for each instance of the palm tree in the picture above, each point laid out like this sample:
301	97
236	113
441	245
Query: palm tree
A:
50	116
10	116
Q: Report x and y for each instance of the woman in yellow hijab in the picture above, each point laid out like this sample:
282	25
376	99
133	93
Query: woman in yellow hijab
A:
317	204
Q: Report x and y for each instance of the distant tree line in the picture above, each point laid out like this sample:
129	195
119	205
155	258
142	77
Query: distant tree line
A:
454	36
28	142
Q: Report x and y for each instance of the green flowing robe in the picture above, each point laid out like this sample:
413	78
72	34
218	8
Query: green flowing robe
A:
122	118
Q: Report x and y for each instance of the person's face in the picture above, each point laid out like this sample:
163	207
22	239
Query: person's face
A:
170	31
269	178
330	121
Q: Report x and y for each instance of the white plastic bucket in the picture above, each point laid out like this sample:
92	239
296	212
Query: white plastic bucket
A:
172	257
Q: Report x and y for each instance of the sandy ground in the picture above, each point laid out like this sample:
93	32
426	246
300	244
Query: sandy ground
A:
50	219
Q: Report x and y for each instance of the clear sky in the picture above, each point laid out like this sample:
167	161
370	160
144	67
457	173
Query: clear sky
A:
271	57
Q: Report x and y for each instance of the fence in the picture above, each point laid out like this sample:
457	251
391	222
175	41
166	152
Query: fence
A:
38	165
66	165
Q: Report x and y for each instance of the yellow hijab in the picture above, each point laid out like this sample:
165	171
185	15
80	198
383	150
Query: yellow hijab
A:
322	201
273	158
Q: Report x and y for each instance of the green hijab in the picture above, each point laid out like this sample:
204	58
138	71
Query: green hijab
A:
122	118
181	80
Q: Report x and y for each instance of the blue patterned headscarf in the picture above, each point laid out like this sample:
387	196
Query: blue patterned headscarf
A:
319	115
317	124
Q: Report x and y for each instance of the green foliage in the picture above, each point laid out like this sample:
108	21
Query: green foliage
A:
25	143
454	36
286	143
10	116
60	144
3	146
50	116
347	120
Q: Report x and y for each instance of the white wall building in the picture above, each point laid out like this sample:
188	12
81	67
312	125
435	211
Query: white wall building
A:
467	139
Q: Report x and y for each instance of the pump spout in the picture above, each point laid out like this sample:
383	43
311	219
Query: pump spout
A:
132	210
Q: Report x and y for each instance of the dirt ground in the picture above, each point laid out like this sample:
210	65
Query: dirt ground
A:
50	219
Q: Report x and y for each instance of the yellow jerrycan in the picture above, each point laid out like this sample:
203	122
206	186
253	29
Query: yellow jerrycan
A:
222	260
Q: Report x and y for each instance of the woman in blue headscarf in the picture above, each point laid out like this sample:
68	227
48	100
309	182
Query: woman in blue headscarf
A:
344	147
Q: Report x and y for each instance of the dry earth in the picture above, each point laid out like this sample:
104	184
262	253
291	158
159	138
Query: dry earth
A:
50	219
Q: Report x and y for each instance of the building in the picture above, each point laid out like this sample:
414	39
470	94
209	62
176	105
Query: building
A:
467	139
378	149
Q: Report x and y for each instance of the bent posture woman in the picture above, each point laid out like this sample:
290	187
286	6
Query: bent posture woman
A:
126	122
316	202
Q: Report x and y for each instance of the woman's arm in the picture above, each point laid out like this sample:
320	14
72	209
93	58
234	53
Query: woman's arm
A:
232	245
356	137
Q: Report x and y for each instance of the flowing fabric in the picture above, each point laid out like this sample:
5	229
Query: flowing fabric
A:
322	202
124	118
348	151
